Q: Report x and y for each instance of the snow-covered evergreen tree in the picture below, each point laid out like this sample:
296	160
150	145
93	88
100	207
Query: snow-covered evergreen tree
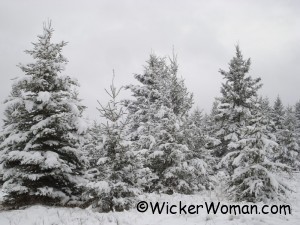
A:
156	117
210	128
238	92
266	109
197	117
245	139
195	138
297	115
92	144
120	175
143	109
255	177
42	126
289	148
178	97
277	115
277	127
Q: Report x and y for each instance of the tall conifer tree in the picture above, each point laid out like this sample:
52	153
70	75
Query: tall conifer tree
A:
238	93
42	126
245	139
121	175
156	113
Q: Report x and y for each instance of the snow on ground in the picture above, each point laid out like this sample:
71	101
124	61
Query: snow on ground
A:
37	215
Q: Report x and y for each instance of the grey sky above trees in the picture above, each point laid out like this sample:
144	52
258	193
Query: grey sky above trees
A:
120	35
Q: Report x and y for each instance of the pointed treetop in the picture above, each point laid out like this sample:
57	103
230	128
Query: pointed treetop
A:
47	53
278	106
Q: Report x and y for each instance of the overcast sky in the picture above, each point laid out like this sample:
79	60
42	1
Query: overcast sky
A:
120	35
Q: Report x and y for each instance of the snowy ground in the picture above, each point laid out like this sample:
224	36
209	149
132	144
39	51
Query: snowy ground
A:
36	215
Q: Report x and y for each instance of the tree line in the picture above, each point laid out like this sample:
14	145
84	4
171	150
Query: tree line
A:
153	142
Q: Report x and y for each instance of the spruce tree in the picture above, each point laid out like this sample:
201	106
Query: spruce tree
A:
246	143
266	110
193	130
289	148
277	127
120	175
238	92
255	177
297	131
211	128
156	114
180	100
92	144
41	159
195	138
277	115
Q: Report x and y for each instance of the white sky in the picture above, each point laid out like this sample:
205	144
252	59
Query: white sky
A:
120	35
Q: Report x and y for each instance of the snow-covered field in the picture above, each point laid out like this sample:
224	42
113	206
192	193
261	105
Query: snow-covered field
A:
37	215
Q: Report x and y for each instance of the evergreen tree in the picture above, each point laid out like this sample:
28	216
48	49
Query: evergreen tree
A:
92	144
266	111
155	118
120	173
255	177
277	115
277	127
195	138
197	117
193	130
214	109
143	110
265	107
211	128
234	106
40	157
297	129
289	148
245	139
180	100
